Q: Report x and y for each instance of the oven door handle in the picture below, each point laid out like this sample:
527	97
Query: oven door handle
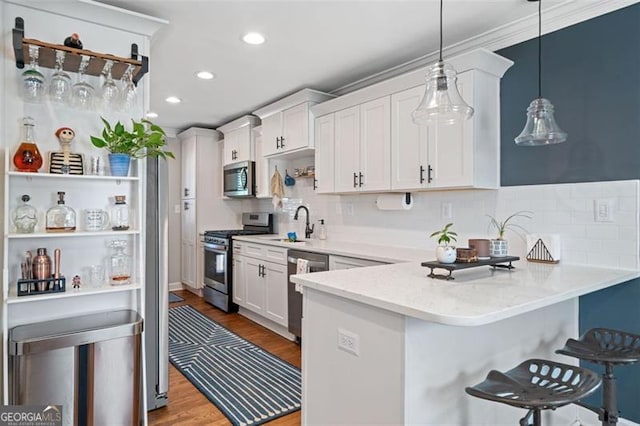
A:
215	248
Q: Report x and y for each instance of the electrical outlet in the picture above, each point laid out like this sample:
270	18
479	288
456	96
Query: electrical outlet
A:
446	211
349	342
603	210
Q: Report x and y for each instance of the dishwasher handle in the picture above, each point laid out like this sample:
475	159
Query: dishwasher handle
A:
311	264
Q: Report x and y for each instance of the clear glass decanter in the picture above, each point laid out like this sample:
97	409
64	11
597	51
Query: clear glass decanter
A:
120	264
61	218
120	214
25	217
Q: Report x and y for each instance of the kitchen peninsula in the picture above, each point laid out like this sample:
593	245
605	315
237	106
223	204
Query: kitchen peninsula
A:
402	347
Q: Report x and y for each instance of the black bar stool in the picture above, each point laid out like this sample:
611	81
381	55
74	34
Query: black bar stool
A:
537	385
606	347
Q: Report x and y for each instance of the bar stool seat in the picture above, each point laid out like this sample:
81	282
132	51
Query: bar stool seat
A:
609	348
603	345
537	384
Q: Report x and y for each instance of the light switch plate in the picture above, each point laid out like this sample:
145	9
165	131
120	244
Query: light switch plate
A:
603	209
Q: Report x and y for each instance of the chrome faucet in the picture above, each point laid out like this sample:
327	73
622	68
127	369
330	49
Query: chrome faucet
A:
308	230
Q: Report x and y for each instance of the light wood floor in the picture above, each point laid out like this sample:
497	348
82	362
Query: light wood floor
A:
187	406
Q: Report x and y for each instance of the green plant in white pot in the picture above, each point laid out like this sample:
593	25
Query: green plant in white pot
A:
144	139
499	247
444	252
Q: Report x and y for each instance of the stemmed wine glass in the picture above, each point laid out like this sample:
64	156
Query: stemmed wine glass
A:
60	83
82	97
33	82
110	92
128	95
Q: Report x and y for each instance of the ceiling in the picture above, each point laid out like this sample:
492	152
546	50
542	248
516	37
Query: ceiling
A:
320	44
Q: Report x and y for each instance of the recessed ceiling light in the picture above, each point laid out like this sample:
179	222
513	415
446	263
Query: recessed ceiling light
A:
173	100
205	75
253	38
152	114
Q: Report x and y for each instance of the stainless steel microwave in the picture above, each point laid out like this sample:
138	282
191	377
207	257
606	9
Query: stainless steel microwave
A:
239	179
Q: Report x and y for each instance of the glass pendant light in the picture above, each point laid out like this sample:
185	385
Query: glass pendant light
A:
441	101
541	127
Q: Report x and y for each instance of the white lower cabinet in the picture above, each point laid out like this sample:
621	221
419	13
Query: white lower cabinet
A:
260	285
341	262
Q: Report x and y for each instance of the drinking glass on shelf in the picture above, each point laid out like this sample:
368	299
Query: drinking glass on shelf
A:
82	91
60	83
128	95
33	82
110	95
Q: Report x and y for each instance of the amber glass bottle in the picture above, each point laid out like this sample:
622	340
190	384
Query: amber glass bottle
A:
27	158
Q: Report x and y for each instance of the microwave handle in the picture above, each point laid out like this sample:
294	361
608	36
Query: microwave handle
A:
244	178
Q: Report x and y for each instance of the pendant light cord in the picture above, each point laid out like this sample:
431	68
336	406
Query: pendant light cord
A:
440	30
539	48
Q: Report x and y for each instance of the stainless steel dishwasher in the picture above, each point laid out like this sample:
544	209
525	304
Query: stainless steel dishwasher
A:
317	262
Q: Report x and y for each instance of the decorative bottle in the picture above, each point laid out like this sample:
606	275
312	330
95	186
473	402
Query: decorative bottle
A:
322	230
120	214
61	218
24	217
27	158
120	264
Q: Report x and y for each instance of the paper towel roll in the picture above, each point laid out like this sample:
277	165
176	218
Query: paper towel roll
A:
394	201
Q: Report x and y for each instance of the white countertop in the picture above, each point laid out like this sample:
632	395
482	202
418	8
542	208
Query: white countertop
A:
476	296
380	253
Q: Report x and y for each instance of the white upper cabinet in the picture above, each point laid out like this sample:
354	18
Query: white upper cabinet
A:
362	147
287	125
324	154
377	147
239	139
188	172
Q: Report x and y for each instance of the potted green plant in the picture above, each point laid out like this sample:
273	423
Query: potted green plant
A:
444	252
144	139
499	247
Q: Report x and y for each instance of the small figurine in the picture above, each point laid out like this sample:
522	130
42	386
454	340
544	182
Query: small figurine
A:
76	281
73	41
66	162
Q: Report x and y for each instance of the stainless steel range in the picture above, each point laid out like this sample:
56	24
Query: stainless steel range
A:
218	262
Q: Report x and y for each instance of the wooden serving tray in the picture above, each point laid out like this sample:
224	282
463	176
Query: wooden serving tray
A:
495	262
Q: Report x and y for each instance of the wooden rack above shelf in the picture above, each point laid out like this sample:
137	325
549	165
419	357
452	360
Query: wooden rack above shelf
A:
73	57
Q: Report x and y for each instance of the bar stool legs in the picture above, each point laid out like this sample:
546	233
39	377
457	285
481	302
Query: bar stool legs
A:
535	415
608	348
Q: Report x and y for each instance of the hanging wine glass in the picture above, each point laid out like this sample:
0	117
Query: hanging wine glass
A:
33	82
60	83
128	95
82	92
110	93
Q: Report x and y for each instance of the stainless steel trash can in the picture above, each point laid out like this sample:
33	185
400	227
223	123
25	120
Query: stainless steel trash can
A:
89	364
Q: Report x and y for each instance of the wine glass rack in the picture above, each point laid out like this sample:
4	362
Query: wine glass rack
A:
73	56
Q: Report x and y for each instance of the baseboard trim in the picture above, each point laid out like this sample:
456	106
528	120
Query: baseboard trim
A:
267	323
176	286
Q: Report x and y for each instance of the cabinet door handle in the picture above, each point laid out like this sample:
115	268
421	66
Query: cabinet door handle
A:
421	174
259	270
315	184
355	180
281	141
264	271
277	142
234	155
360	179
186	205
430	170
186	192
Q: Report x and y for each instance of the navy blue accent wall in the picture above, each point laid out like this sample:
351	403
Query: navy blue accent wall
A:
591	74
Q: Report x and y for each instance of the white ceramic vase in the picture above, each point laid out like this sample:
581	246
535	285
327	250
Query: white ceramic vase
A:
498	248
446	254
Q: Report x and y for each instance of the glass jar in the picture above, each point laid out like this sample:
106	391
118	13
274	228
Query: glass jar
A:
120	214
61	218
27	158
24	217
120	263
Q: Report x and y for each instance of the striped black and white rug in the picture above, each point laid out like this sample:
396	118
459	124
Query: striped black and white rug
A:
249	385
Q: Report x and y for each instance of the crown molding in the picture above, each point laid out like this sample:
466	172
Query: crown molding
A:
569	13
